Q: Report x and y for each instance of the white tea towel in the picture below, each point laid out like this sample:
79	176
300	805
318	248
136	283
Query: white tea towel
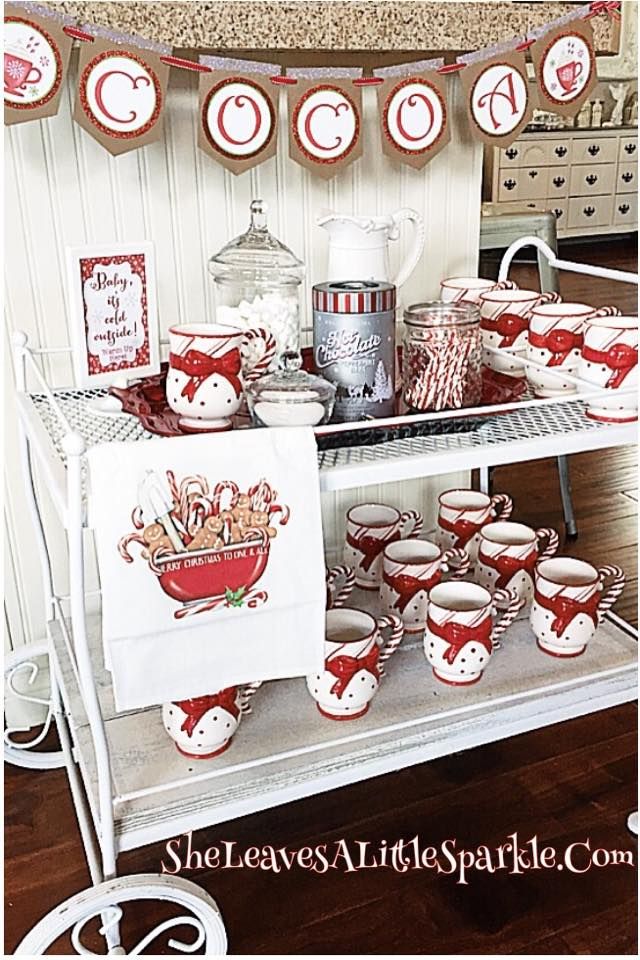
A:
211	561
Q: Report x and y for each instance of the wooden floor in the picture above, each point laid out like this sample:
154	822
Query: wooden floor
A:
570	782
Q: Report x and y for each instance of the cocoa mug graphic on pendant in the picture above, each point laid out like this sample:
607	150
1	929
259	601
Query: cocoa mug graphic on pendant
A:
19	71
410	569
202	727
555	341
508	555
370	527
570	602
461	637
340	583
354	653
609	359
469	289
206	372
463	513
568	75
504	321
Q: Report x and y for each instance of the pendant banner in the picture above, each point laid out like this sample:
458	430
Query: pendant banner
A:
565	66
121	93
325	118
413	109
36	57
499	98
238	109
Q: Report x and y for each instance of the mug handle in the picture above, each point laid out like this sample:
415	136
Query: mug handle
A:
416	518
256	369
553	542
550	297
504	512
461	567
506	285
514	605
392	644
614	590
340	597
605	312
247	693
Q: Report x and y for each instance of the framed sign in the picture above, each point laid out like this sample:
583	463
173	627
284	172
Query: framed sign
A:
114	322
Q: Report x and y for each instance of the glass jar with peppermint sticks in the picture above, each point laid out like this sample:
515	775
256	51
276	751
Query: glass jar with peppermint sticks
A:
442	356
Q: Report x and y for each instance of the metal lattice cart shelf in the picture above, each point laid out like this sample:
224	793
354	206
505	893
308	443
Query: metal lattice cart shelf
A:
129	785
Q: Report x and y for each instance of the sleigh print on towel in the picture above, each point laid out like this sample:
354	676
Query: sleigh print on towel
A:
207	545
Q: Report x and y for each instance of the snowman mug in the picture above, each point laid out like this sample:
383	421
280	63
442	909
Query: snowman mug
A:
370	527
609	359
460	637
337	595
569	603
202	728
504	322
508	554
410	569
206	372
354	654
462	515
468	289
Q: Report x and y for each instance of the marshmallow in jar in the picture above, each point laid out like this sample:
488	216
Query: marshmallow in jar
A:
257	280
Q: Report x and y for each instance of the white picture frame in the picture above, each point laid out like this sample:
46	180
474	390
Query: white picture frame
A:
114	330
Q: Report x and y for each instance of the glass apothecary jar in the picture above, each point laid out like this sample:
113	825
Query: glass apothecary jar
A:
257	283
442	356
290	397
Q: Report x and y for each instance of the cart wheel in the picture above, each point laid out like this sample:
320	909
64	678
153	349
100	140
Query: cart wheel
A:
20	671
203	916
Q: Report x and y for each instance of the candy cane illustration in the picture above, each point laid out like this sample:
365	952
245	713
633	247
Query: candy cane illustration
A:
123	545
219	490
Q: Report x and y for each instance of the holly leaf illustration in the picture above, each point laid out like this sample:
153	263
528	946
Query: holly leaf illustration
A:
234	597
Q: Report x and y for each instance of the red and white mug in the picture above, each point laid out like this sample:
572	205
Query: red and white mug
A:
504	321
461	636
508	555
468	289
207	371
202	728
370	527
609	359
569	603
555	340
410	569
463	513
354	653
340	583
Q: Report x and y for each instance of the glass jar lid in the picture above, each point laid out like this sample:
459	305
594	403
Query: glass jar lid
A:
437	313
291	384
257	254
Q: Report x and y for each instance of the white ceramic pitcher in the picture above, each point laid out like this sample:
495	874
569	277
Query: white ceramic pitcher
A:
359	246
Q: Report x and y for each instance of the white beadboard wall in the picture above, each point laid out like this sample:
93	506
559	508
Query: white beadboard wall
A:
63	188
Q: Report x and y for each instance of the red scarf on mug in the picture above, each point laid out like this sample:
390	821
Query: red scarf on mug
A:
345	668
560	343
507	566
196	708
200	366
370	547
621	358
457	635
565	609
509	326
463	530
406	587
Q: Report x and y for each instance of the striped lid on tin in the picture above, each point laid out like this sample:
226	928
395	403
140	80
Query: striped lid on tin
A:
354	296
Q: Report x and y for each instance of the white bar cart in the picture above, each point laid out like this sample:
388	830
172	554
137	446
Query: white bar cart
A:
129	785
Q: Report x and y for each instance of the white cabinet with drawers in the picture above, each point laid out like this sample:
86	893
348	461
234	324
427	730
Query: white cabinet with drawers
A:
587	178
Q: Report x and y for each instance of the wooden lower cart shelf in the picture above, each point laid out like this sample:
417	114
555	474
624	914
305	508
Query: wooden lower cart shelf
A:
285	750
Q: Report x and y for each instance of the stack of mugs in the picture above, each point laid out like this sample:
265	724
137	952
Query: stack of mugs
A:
423	588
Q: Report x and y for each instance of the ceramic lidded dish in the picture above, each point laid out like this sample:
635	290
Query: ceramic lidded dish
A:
290	397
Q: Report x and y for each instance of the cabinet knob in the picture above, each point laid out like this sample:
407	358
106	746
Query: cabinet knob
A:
591	179
533	174
558	181
509	184
627	177
594	150
624	208
512	153
561	151
589	211
630	147
557	212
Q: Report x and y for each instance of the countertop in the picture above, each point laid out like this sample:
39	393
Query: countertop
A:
336	25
